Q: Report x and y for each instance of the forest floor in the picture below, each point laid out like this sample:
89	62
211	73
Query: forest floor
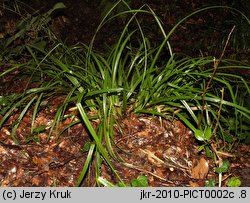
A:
165	151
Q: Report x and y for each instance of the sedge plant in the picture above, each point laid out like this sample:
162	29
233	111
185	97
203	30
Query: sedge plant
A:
134	76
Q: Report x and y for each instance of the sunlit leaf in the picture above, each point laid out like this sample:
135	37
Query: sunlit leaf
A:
39	129
224	167
140	181
210	183
208	133
234	182
199	135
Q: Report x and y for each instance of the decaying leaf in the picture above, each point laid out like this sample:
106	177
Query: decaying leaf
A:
195	184
200	170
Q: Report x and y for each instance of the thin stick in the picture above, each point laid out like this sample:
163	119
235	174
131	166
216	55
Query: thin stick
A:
216	64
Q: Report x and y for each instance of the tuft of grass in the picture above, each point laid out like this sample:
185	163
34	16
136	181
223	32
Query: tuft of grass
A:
135	76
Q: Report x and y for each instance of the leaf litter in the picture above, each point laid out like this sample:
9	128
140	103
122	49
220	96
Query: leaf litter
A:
164	151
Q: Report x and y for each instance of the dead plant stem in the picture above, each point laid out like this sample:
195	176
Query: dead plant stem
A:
216	65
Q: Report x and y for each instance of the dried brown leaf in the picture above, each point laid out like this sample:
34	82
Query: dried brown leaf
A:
200	171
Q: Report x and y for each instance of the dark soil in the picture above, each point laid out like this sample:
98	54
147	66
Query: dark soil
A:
203	34
165	151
